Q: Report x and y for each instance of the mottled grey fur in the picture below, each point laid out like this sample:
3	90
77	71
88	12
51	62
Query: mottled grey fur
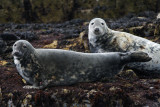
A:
51	67
107	40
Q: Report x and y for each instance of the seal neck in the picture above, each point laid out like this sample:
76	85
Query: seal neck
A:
104	39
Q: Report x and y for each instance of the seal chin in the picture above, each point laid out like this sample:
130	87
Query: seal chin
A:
98	32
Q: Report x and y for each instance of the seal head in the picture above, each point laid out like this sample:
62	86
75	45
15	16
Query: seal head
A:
22	48
97	27
24	57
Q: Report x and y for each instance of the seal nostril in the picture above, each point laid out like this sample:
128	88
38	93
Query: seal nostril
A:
96	30
16	54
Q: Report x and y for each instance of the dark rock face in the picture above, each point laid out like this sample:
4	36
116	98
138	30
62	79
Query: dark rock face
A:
26	35
9	36
2	46
143	24
133	20
54	11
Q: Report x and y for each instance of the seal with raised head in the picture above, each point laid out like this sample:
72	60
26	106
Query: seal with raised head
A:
51	67
103	39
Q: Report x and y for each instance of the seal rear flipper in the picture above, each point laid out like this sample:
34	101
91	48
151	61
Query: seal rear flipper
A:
137	56
35	86
32	87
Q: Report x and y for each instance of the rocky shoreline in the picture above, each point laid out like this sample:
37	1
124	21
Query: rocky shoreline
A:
126	89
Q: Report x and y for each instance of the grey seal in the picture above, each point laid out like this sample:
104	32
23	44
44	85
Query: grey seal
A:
51	67
103	39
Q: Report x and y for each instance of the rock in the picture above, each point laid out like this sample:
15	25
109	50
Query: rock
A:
158	16
27	101
148	14
47	32
52	45
8	36
131	21
28	35
128	75
83	39
144	24
1	95
40	11
3	46
3	62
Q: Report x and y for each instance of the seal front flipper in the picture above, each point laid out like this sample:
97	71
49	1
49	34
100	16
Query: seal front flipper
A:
137	56
140	56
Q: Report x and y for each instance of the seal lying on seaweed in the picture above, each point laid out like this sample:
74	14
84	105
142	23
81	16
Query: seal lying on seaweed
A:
103	39
52	67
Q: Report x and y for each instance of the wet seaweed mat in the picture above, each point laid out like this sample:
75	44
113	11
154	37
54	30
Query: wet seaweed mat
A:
113	92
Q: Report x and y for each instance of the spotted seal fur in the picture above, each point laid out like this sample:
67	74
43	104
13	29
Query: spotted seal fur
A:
51	67
103	39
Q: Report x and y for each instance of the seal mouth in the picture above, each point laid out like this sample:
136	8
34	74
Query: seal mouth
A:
17	54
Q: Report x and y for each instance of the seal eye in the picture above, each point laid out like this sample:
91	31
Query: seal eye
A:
102	23
92	23
15	45
24	46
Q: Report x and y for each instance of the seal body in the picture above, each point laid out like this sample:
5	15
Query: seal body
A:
51	67
108	40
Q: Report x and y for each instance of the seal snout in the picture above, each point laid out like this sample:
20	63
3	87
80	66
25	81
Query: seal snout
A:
17	53
96	30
